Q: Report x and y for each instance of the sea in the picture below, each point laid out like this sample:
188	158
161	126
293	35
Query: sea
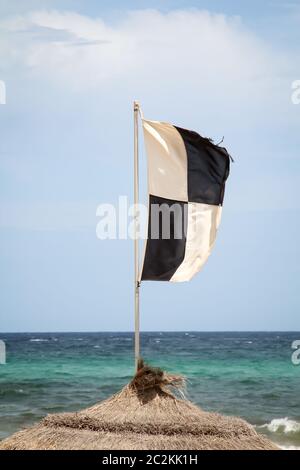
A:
251	375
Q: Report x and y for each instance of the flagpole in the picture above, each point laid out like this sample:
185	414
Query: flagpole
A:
136	241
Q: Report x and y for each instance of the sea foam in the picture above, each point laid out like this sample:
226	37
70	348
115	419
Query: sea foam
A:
289	447
283	426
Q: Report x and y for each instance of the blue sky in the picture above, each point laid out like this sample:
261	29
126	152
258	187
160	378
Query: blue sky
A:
72	70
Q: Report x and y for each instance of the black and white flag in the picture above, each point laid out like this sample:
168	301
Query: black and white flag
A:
186	183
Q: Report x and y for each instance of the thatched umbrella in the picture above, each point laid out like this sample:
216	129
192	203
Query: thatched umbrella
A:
143	415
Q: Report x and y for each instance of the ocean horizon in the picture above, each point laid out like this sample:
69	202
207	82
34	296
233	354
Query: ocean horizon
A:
246	374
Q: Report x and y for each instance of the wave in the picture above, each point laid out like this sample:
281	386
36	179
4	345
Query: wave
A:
38	340
12	392
289	447
283	426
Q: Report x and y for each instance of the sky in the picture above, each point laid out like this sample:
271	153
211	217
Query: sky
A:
72	69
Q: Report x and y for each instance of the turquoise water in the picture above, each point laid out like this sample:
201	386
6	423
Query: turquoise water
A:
246	374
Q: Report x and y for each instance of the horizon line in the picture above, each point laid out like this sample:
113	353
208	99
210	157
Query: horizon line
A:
148	331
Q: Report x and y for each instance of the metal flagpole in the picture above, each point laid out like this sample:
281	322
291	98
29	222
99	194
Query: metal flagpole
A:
136	241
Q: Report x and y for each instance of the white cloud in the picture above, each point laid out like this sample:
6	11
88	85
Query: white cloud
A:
192	48
189	64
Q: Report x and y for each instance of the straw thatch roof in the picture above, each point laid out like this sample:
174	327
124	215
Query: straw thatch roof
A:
144	415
